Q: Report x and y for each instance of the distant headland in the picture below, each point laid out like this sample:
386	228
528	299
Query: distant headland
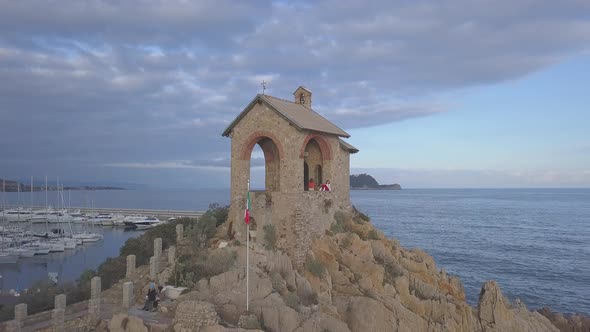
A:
14	186
366	182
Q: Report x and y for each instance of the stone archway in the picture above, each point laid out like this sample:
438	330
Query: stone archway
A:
272	151
314	160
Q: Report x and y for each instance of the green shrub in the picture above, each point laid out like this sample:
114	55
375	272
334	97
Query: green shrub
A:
292	300
270	236
315	267
217	212
189	269
219	261
374	235
337	228
392	271
111	271
202	231
237	243
358	215
340	217
250	323
347	241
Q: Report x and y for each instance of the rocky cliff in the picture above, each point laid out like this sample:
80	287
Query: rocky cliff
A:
365	181
353	280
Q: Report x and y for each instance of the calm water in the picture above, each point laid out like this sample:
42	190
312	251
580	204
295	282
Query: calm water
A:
534	242
69	264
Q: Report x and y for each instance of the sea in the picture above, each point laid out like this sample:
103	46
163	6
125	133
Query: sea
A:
534	242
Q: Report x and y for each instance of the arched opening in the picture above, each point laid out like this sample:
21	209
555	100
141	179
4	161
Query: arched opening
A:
313	163
267	156
257	169
305	176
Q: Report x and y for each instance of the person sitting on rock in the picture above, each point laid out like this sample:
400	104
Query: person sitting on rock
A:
151	300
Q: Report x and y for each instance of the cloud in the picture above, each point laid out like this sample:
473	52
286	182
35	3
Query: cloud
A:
222	164
152	82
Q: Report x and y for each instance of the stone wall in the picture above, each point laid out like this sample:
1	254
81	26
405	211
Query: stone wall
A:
298	217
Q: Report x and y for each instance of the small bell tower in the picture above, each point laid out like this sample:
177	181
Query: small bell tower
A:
303	96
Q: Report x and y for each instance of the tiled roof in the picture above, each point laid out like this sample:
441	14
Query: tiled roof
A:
346	146
299	115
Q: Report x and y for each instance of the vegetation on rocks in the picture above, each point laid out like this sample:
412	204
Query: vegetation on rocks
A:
315	267
192	267
270	236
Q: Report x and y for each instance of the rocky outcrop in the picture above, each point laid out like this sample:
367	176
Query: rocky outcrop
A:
567	323
194	316
352	281
125	323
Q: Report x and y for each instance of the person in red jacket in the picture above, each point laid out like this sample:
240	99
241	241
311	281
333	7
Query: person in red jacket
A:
311	185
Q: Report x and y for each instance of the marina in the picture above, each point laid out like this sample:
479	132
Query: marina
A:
26	232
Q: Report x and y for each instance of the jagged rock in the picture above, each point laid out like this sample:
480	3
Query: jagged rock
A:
304	288
219	328
125	323
491	307
356	260
249	322
322	322
281	263
365	314
194	315
275	315
322	286
381	252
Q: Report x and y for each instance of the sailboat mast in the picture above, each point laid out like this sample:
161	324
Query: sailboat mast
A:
31	192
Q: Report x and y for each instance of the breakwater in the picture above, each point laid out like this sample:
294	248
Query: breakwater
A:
159	213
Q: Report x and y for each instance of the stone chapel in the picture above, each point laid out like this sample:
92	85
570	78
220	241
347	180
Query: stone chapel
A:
298	144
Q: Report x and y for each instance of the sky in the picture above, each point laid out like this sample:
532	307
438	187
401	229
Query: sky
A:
435	94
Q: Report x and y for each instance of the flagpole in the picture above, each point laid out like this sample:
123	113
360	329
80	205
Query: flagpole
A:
247	256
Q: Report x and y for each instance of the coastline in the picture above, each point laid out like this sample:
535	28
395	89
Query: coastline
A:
364	243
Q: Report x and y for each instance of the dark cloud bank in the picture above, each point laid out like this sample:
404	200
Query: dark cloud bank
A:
141	90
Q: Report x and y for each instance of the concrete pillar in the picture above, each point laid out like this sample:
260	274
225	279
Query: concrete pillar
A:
58	314
154	269
128	296
130	266
171	255
94	302
20	313
158	247
179	233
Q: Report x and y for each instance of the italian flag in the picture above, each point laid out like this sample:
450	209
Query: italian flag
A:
247	212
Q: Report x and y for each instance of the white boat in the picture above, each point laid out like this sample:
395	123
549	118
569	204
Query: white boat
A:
56	247
7	258
39	248
39	216
21	252
16	215
59	216
66	242
142	222
88	237
104	219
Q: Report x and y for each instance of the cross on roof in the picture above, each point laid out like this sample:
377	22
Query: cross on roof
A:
263	86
